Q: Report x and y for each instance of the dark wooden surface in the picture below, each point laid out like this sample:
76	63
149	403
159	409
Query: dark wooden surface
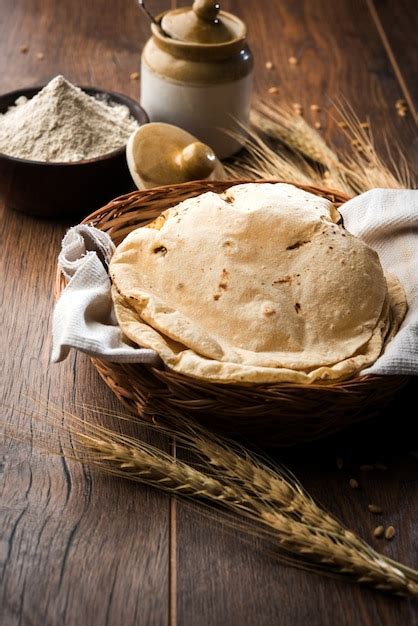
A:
77	548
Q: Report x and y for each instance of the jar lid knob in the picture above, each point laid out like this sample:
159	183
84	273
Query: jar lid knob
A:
197	160
206	9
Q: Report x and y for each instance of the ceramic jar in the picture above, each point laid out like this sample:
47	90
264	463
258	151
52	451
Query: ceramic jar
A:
196	73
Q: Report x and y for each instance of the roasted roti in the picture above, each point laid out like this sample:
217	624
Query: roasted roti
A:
258	284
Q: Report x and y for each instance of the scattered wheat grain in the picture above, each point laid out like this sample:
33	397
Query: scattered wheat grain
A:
24	48
273	90
374	508
353	483
134	75
389	532
293	61
366	468
269	65
40	56
378	531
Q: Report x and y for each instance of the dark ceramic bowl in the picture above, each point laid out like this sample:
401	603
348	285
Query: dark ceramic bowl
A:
67	190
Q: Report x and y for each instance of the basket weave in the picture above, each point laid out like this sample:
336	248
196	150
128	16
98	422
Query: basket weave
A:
270	414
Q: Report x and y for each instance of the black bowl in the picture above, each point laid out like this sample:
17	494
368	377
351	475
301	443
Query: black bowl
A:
65	190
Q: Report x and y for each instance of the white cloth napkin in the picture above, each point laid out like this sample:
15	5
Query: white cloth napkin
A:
387	220
83	316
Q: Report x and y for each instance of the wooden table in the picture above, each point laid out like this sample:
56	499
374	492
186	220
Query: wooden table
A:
78	548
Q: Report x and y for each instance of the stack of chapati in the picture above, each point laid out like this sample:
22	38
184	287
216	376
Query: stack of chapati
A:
258	284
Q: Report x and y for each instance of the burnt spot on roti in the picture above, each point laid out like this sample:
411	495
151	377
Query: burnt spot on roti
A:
297	307
223	283
162	250
297	244
216	296
229	247
285	280
282	281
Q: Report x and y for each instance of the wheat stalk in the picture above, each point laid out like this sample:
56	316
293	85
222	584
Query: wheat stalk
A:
364	168
127	457
262	161
283	123
284	513
343	555
270	487
353	171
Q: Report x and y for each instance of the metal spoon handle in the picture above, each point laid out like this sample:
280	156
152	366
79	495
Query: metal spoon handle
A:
148	14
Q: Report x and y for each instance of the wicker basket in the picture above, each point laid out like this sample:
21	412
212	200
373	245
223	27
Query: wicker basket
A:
274	414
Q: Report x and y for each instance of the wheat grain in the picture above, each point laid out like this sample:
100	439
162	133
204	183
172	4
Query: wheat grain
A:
389	532
378	531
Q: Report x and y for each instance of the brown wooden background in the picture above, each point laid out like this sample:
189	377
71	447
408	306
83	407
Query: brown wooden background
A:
77	548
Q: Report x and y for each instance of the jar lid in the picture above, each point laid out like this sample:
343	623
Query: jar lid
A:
183	158
203	23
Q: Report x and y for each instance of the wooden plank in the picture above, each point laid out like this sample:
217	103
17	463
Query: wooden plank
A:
101	555
97	44
75	547
220	578
397	24
340	58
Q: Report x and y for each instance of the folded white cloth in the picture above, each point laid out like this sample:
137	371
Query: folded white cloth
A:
387	220
83	316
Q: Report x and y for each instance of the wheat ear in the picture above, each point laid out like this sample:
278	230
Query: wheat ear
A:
364	168
355	170
137	460
141	462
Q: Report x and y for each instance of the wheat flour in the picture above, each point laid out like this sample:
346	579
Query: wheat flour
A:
63	123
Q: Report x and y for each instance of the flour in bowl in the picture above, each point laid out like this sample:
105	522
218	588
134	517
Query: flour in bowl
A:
63	123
